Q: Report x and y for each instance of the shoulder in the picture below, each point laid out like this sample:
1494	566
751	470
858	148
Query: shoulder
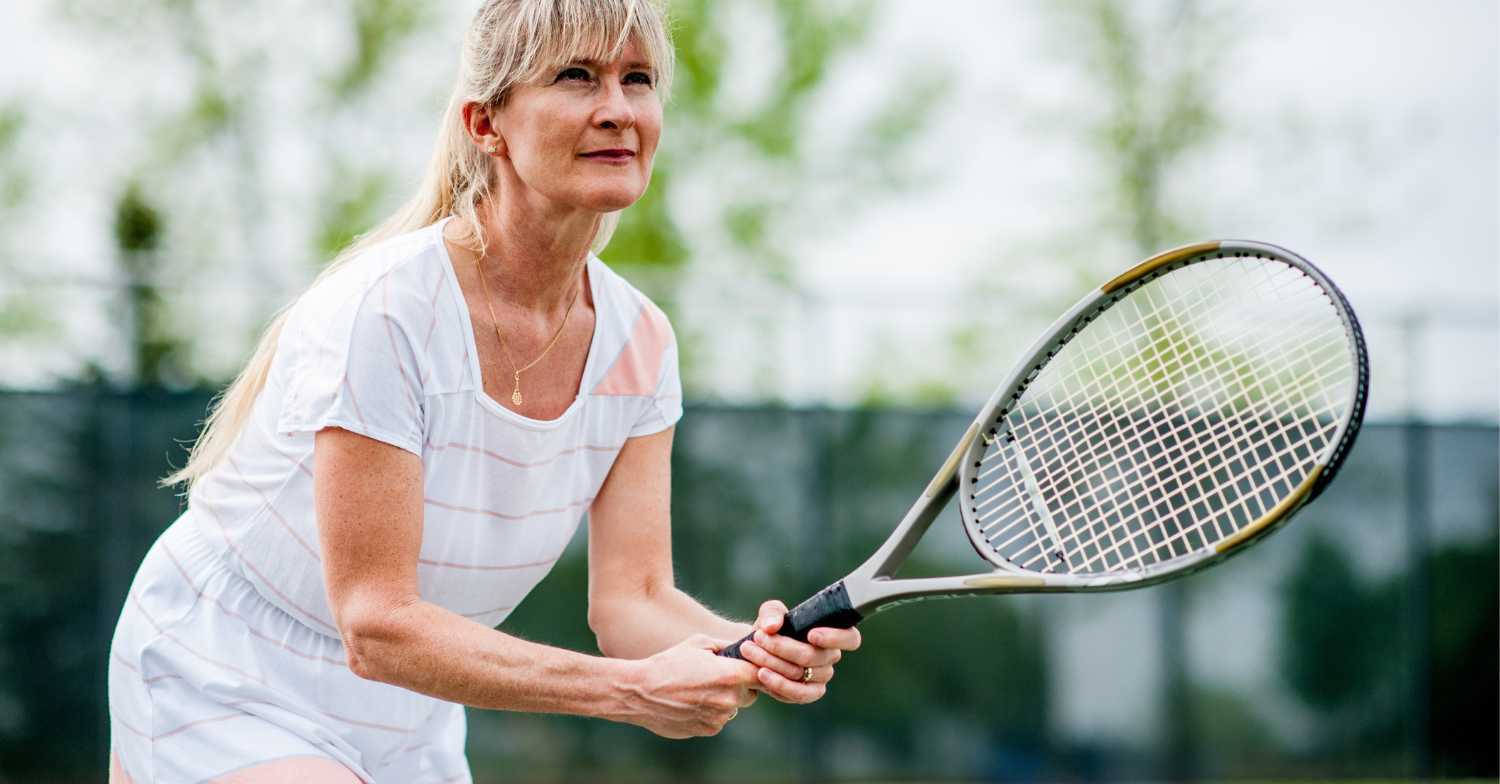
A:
636	338
396	280
626	308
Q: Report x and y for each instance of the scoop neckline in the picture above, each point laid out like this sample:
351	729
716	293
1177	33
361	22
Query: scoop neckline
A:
485	401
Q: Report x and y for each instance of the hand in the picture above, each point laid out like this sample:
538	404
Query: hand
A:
780	660
687	691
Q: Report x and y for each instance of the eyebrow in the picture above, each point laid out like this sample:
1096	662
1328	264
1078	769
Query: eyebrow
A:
631	66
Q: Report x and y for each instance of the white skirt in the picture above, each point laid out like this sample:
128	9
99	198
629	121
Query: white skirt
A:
208	680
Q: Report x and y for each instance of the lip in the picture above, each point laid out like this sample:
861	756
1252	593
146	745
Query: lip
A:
613	155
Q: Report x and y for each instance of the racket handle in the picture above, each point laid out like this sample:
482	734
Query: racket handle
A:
829	607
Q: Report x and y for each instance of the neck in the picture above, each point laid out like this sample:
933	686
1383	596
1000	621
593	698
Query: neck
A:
534	258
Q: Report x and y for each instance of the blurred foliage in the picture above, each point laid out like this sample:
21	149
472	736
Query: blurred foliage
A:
21	315
159	353
15	181
1464	722
350	210
137	226
1330	665
1140	104
380	28
218	136
785	178
1153	68
770	180
1334	650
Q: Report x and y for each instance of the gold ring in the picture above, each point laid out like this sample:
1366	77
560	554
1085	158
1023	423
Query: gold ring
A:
806	674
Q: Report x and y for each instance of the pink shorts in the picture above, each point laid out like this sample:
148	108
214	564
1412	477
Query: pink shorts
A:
209	681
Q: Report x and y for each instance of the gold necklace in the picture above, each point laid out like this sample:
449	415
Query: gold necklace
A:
515	393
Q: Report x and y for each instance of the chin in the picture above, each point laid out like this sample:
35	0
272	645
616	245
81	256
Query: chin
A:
611	199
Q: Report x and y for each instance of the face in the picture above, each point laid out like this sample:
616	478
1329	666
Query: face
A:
585	135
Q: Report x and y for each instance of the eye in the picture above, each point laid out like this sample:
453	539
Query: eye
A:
574	74
638	77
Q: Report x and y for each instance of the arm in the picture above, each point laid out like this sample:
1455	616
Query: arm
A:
368	497
635	609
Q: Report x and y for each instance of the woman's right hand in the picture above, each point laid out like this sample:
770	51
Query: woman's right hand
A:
689	691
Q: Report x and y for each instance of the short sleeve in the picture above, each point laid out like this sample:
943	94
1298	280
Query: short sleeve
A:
665	406
645	370
351	364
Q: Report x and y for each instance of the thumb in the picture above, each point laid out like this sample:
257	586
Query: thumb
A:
772	615
704	642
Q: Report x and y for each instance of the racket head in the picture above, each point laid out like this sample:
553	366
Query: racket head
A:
1176	415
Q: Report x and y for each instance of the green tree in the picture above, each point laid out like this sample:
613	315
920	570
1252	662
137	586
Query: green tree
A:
22	316
1151	70
158	353
201	190
1464	709
1327	608
759	172
767	177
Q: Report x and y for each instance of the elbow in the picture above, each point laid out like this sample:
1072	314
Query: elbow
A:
610	622
599	617
359	654
373	638
615	615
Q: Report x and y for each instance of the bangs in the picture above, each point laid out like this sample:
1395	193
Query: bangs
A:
598	30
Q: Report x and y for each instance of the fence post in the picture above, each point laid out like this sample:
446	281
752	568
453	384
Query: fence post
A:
1418	601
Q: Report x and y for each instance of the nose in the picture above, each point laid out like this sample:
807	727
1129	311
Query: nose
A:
614	111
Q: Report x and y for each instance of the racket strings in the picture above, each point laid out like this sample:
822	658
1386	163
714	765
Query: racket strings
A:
1181	415
1170	441
1119	353
1116	546
1097	439
1108	543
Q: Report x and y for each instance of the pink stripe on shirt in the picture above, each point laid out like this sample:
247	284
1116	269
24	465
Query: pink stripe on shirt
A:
637	369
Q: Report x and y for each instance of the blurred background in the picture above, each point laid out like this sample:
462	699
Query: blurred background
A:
861	213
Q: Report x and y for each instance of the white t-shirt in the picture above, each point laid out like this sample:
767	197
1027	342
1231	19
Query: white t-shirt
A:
384	347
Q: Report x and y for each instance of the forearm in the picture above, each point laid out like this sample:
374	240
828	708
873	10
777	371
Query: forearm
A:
427	649
639	625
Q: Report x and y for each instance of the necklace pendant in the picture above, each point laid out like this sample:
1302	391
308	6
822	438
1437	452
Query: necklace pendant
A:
515	397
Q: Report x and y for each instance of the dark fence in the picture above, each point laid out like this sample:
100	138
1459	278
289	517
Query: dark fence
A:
1359	642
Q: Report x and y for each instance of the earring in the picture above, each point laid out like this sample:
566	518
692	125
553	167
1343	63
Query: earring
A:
494	148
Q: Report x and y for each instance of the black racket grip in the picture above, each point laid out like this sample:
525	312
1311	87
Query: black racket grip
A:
829	607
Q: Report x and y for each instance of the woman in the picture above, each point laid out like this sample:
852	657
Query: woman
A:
414	443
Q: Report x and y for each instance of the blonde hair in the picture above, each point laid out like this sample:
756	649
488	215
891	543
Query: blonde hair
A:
509	43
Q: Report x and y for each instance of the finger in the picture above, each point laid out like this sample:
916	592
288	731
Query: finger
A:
772	614
841	639
794	651
744	672
788	690
748	696
759	656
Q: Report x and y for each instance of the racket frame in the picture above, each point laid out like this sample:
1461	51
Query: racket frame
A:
873	585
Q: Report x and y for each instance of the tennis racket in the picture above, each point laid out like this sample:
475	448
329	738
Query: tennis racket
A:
1173	417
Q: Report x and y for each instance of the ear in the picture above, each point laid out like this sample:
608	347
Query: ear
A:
482	129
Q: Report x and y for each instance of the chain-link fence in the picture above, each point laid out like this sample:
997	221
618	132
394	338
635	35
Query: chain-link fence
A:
1359	642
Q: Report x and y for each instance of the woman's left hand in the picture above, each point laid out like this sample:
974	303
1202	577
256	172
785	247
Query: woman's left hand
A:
781	661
